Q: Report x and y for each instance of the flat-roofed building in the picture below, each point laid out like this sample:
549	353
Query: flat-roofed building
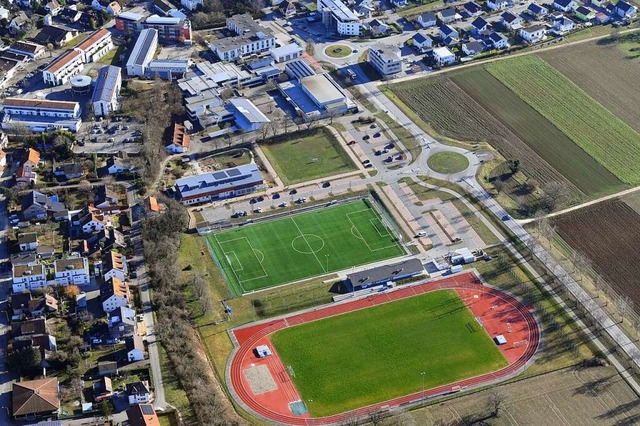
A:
286	53
63	68
28	277
251	38
73	270
316	96
105	99
385	59
337	17
221	184
94	47
248	117
169	68
298	69
129	23
40	114
170	29
142	52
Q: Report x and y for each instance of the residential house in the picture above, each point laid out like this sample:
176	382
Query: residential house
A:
116	165
498	41
63	68
114	293
447	16
53	7
37	206
155	208
89	219
138	393
69	171
289	9
114	265
399	3
473	48
142	415
3	160
472	9
54	35
28	241
22	304
533	34
19	303
584	13
73	270
107	368
107	239
378	28
511	21
32	50
447	31
537	11
28	277
564	5
134	347
563	25
4	14
102	389
106	199
602	18
443	56
422	41
96	46
18	23
626	10
36	398
32	327
43	342
122	322
385	59
479	25
70	15
24	258
180	141
163	7
26	172
427	20
497	4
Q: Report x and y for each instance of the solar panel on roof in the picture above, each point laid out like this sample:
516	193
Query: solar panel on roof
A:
147	409
220	175
233	172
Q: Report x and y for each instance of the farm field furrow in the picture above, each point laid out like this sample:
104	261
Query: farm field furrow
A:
608	234
541	135
605	73
591	126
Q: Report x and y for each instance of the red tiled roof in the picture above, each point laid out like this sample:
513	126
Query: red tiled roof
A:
39	103
62	60
35	396
93	38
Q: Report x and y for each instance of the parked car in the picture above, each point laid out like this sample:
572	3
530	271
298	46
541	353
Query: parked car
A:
326	184
351	143
275	196
283	204
293	191
366	137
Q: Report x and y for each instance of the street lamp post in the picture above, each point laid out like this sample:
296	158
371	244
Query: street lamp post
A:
423	374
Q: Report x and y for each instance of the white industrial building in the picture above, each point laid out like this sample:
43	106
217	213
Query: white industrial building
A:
316	96
385	59
142	52
169	68
251	38
247	116
107	91
41	115
285	53
63	68
339	18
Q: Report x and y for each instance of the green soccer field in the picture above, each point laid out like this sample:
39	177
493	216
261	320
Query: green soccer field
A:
375	354
302	245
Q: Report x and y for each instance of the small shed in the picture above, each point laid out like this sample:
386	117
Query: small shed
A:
263	351
500	340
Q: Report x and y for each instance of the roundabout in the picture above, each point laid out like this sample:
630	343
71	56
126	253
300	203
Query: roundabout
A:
447	162
338	51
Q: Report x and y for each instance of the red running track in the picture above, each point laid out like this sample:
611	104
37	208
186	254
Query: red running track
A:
499	313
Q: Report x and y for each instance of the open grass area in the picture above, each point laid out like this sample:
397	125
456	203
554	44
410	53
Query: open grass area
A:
113	57
379	353
303	156
296	247
447	162
338	51
591	126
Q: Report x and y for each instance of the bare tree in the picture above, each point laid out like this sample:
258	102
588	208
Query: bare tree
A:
496	401
581	263
599	283
311	47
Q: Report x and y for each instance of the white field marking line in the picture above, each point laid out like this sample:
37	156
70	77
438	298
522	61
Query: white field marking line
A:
265	274
229	260
311	235
364	239
386	234
310	248
232	270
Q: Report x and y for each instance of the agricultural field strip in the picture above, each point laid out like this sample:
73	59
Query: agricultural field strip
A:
586	64
590	125
551	145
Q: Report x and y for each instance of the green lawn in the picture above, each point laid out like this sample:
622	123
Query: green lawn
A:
372	355
447	162
300	246
591	126
309	155
112	57
338	51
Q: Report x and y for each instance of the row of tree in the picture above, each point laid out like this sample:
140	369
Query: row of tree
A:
161	238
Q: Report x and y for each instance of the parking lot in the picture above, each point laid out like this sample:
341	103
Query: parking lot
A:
109	136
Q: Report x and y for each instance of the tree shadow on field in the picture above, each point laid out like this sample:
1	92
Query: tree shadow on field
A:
594	387
621	410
